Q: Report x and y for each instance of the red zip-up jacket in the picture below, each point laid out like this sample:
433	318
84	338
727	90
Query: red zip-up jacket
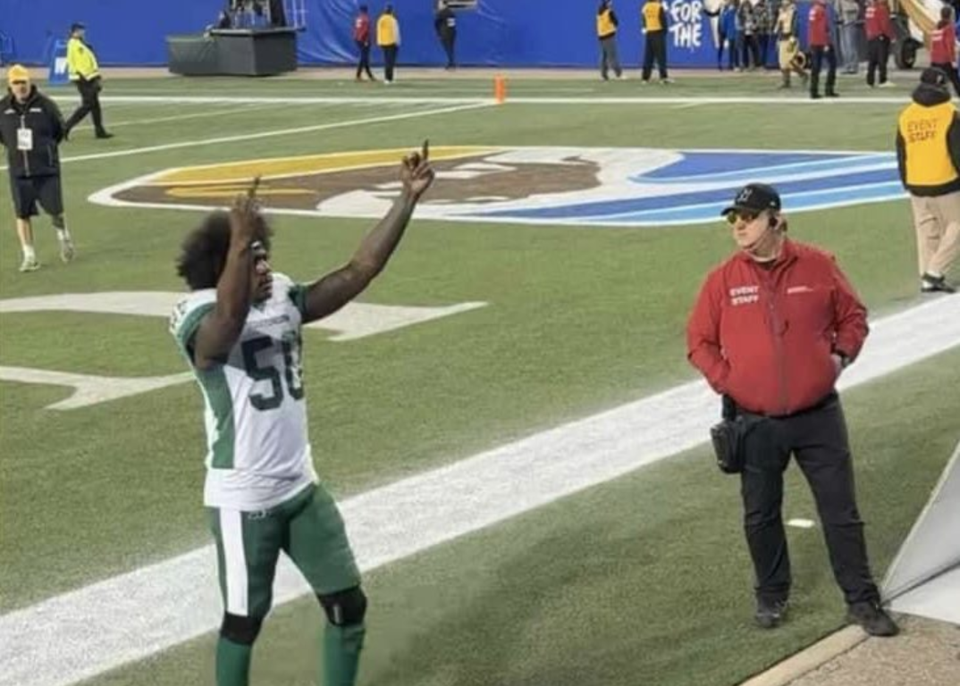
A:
361	28
877	18
943	49
817	31
764	336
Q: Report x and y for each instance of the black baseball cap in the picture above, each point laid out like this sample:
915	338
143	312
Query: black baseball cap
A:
933	76
77	25
754	197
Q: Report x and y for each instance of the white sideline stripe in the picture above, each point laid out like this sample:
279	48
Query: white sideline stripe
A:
181	117
271	134
522	100
83	633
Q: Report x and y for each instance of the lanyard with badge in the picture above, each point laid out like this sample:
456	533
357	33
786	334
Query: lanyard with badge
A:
24	138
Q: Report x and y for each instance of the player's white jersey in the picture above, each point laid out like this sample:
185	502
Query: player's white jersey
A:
255	411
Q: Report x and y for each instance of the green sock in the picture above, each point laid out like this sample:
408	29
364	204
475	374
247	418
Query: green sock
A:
233	663
341	654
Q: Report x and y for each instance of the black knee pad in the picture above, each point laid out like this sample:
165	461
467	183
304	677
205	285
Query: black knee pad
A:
241	630
345	608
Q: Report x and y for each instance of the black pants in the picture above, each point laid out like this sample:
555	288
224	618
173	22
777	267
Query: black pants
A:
818	440
655	50
751	52
364	64
389	61
449	41
950	71
819	54
878	52
89	104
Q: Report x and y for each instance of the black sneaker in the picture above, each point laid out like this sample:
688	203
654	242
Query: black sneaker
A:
103	135
770	613
872	618
935	284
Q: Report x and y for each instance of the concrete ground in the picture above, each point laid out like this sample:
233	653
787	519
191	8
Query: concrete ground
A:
926	653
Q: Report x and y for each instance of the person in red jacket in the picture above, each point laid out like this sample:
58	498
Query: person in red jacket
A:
361	36
880	35
820	31
943	47
772	330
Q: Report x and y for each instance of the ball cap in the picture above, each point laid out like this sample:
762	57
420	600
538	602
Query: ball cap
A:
932	76
17	73
77	25
755	197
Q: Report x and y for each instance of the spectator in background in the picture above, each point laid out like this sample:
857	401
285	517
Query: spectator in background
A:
765	30
607	24
85	73
943	47
388	38
849	11
880	35
748	23
445	24
729	35
789	54
361	36
928	158
820	35
31	130
655	43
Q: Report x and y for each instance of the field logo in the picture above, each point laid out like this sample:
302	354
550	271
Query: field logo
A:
583	187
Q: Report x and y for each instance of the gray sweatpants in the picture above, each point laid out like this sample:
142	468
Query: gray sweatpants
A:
609	59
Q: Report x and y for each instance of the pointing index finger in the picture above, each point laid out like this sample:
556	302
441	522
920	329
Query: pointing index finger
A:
425	153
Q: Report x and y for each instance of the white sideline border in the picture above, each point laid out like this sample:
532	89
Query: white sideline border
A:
133	615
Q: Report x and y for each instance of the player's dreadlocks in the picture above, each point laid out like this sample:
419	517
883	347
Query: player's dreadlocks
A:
204	251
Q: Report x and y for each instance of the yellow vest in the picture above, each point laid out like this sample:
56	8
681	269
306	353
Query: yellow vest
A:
387	30
81	61
924	131
605	25
651	16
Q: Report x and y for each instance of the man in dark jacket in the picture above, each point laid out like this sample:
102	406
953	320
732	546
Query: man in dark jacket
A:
928	156
445	24
31	128
773	328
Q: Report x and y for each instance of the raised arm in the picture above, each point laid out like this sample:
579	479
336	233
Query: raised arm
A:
336	289
219	330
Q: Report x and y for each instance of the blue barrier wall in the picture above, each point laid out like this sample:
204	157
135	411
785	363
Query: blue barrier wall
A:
499	32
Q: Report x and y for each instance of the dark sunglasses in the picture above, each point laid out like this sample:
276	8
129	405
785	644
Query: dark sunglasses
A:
746	215
19	83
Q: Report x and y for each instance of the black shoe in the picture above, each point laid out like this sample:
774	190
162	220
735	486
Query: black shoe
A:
935	284
770	613
833	94
872	618
815	96
103	135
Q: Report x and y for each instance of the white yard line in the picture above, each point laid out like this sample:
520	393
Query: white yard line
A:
86	632
366	121
182	117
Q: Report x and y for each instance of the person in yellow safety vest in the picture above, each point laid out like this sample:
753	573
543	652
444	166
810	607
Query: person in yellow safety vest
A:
928	157
85	73
655	45
388	38
607	24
